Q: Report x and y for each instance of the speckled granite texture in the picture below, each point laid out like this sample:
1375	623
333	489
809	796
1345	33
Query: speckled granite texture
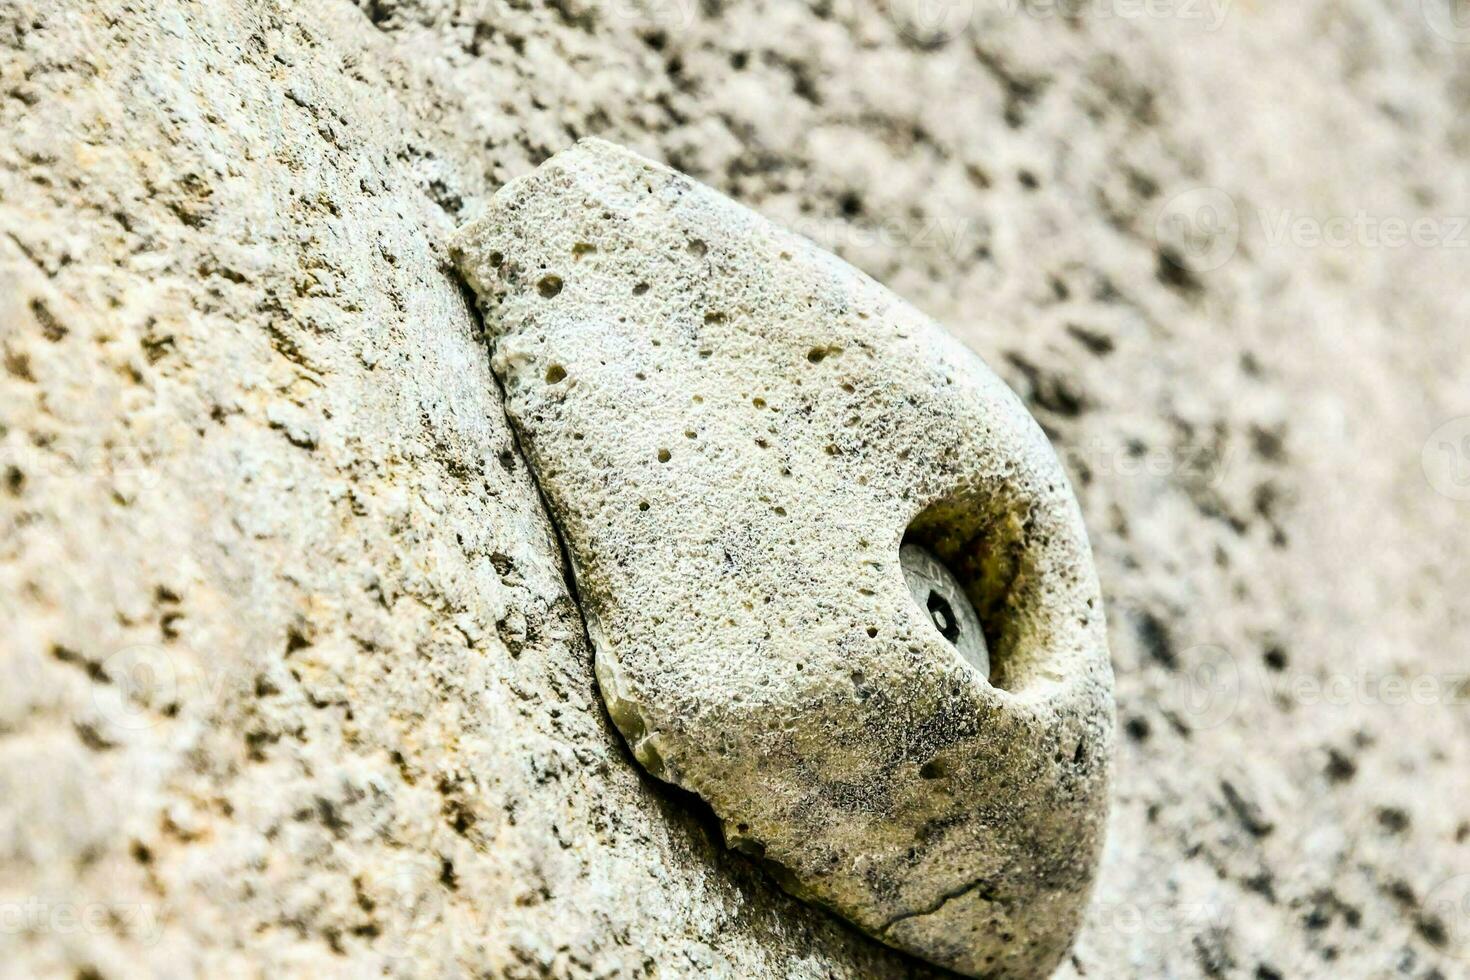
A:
292	680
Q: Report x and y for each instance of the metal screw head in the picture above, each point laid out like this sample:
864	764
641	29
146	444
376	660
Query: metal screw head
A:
944	604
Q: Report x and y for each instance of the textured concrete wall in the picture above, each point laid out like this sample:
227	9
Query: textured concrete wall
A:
292	680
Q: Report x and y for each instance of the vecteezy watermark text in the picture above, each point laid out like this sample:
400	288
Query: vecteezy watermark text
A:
1201	229
1209	683
140	920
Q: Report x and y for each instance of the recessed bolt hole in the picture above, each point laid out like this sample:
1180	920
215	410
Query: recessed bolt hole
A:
943	616
945	605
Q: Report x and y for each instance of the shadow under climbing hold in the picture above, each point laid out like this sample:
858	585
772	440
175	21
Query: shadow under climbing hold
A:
834	577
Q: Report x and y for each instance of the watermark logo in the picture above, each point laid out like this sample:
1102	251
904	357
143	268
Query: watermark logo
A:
1444	917
1205	688
411	899
142	685
931	22
144	680
1446	459
1450	19
1199	229
677	14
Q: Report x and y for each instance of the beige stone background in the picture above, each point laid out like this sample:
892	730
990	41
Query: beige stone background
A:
292	683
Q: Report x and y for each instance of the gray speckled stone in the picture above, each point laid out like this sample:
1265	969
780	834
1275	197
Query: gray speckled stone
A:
735	431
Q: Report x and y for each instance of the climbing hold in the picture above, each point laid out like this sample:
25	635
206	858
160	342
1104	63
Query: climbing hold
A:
834	577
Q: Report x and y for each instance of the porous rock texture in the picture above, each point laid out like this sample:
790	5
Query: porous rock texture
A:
735	431
292	682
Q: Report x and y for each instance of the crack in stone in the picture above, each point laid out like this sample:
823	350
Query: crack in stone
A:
569	575
981	884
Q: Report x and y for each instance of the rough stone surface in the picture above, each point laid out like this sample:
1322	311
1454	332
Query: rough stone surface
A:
251	437
735	431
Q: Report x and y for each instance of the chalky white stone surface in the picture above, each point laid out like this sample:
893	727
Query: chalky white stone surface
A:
734	431
245	407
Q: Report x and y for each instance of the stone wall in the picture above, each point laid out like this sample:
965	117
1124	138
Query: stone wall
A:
293	681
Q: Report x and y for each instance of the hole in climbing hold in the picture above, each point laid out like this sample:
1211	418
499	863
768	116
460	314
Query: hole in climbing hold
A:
942	598
944	616
1001	559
